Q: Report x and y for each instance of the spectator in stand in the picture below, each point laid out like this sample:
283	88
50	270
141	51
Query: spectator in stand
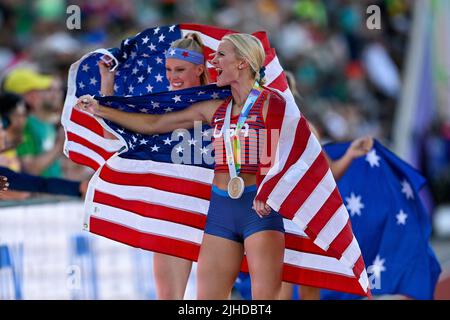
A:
42	144
3	180
14	116
12	121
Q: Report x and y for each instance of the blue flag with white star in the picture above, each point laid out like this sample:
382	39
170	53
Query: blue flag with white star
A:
189	146
391	224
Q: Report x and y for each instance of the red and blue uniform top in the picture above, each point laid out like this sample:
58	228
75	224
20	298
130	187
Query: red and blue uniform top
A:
251	139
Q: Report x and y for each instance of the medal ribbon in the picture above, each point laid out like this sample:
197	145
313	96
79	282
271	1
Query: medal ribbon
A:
233	143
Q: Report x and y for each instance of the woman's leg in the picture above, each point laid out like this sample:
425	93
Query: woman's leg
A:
171	276
286	291
265	253
219	263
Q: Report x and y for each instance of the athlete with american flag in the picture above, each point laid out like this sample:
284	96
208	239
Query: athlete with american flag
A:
184	69
262	239
231	226
140	196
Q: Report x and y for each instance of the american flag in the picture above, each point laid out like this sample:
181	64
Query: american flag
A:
139	197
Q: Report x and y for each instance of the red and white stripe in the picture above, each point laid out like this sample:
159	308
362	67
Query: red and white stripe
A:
89	141
301	187
149	205
162	207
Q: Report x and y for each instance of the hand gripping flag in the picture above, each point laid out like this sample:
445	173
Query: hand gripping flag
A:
140	196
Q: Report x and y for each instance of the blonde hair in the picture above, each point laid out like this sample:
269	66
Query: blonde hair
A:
193	42
249	47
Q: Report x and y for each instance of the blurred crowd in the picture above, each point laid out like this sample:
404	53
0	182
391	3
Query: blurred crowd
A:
349	77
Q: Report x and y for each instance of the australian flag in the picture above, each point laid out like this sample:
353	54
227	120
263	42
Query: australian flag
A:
390	222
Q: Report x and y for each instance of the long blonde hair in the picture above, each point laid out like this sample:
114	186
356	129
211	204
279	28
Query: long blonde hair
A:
249	47
193	42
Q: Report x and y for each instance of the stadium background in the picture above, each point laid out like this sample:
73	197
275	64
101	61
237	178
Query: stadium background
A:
353	81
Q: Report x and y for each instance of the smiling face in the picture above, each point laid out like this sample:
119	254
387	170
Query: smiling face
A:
183	74
227	63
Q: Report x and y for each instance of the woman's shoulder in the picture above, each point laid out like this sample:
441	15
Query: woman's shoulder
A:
209	107
211	103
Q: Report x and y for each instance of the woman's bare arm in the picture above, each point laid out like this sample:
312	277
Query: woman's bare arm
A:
152	123
107	78
357	148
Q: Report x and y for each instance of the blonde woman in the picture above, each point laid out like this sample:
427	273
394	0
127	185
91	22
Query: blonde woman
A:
236	221
185	68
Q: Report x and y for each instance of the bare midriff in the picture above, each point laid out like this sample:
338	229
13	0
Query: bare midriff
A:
221	179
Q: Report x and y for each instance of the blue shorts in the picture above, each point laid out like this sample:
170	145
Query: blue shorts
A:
234	219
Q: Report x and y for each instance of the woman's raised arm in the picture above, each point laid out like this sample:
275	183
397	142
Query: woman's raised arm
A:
152	123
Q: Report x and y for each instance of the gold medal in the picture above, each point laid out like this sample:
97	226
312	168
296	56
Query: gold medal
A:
236	184
236	187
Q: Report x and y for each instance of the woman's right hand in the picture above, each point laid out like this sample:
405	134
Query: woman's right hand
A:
360	147
104	66
87	103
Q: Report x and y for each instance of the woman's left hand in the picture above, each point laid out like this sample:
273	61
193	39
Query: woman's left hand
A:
87	103
261	208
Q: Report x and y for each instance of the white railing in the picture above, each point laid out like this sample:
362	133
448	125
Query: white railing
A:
44	254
